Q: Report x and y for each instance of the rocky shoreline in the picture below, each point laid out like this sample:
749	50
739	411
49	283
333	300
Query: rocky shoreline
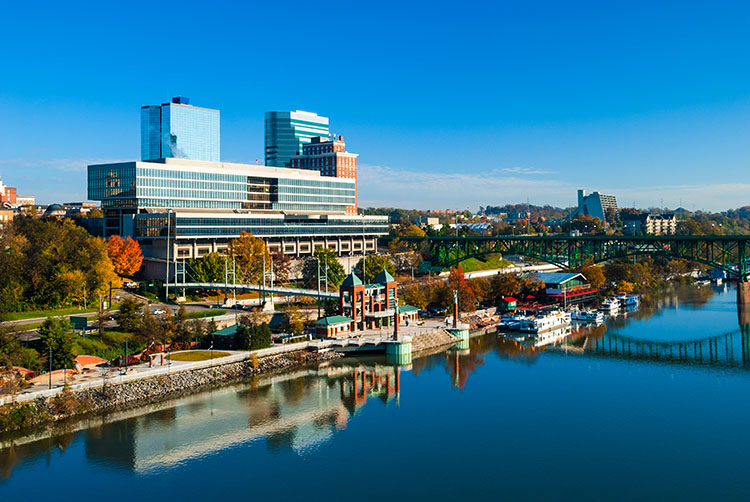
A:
46	412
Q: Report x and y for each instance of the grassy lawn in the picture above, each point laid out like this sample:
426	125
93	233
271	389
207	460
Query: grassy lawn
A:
491	262
109	346
31	314
205	313
197	355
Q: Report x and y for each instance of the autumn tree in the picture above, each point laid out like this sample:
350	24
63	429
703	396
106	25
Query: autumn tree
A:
593	273
251	257
126	255
294	320
466	296
415	296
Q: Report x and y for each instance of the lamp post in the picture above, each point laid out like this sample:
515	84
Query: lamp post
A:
50	367
126	355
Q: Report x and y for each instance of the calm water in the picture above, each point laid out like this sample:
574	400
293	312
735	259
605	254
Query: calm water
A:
583	421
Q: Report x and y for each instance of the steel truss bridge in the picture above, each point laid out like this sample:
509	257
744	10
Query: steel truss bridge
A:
725	252
729	349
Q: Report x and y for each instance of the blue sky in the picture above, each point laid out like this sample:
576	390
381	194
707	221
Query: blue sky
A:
448	104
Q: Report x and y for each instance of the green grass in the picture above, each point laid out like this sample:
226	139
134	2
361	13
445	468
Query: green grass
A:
197	355
492	262
110	345
205	313
32	314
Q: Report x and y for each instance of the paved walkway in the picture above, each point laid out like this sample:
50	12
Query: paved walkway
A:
97	377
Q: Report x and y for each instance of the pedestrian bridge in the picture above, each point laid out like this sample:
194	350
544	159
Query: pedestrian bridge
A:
257	288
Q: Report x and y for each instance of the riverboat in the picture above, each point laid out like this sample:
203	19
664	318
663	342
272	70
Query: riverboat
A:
510	322
610	306
628	300
545	322
588	316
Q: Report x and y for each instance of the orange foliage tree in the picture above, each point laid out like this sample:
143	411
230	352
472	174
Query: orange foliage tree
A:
125	254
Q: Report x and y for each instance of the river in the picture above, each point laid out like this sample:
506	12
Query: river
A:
580	421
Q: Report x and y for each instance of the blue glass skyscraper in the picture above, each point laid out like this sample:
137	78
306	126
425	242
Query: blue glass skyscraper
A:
286	132
179	130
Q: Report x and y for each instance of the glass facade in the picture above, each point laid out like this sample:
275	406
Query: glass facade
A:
286	132
164	186
212	226
176	130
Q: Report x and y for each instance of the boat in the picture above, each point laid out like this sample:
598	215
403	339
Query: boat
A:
592	316
510	322
610	306
545	321
628	300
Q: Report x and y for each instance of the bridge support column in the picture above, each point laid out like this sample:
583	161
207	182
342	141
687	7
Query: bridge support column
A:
743	297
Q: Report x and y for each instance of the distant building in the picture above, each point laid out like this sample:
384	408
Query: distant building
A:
5	215
649	224
10	199
595	204
330	158
431	221
288	132
179	130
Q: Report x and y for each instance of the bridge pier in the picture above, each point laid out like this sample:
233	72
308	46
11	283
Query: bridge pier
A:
743	295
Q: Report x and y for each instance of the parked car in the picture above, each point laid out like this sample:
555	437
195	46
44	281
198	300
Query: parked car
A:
159	311
130	284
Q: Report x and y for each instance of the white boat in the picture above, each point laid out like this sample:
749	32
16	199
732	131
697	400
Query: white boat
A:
545	322
627	300
610	306
591	316
541	339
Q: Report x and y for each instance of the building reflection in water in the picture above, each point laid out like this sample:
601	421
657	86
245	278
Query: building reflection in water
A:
296	411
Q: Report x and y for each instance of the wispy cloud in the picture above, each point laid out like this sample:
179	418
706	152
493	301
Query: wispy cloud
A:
384	186
525	170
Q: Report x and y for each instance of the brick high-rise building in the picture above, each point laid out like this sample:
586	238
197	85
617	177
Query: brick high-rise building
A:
329	156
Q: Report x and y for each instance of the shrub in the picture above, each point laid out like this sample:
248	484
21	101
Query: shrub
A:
261	337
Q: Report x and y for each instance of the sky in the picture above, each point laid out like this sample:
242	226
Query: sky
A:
448	104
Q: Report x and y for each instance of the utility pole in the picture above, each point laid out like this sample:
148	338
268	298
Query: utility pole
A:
50	367
318	259
126	355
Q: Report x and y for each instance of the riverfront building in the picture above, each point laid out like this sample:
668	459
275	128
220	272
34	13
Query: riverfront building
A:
10	199
595	204
179	130
288	132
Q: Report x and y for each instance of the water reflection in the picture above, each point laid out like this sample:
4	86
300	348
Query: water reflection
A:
295	411
299	411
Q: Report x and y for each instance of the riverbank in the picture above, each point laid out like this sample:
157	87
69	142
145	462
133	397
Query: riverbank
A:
67	404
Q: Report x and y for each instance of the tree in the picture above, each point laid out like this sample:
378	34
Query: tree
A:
182	333
325	256
209	268
294	320
505	285
415	296
251	257
593	274
130	315
261	337
55	333
242	337
126	255
282	266
374	265
466	297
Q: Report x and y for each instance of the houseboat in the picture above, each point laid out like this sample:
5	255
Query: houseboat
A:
545	321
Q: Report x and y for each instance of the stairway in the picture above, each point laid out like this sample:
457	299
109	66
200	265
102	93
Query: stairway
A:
432	339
